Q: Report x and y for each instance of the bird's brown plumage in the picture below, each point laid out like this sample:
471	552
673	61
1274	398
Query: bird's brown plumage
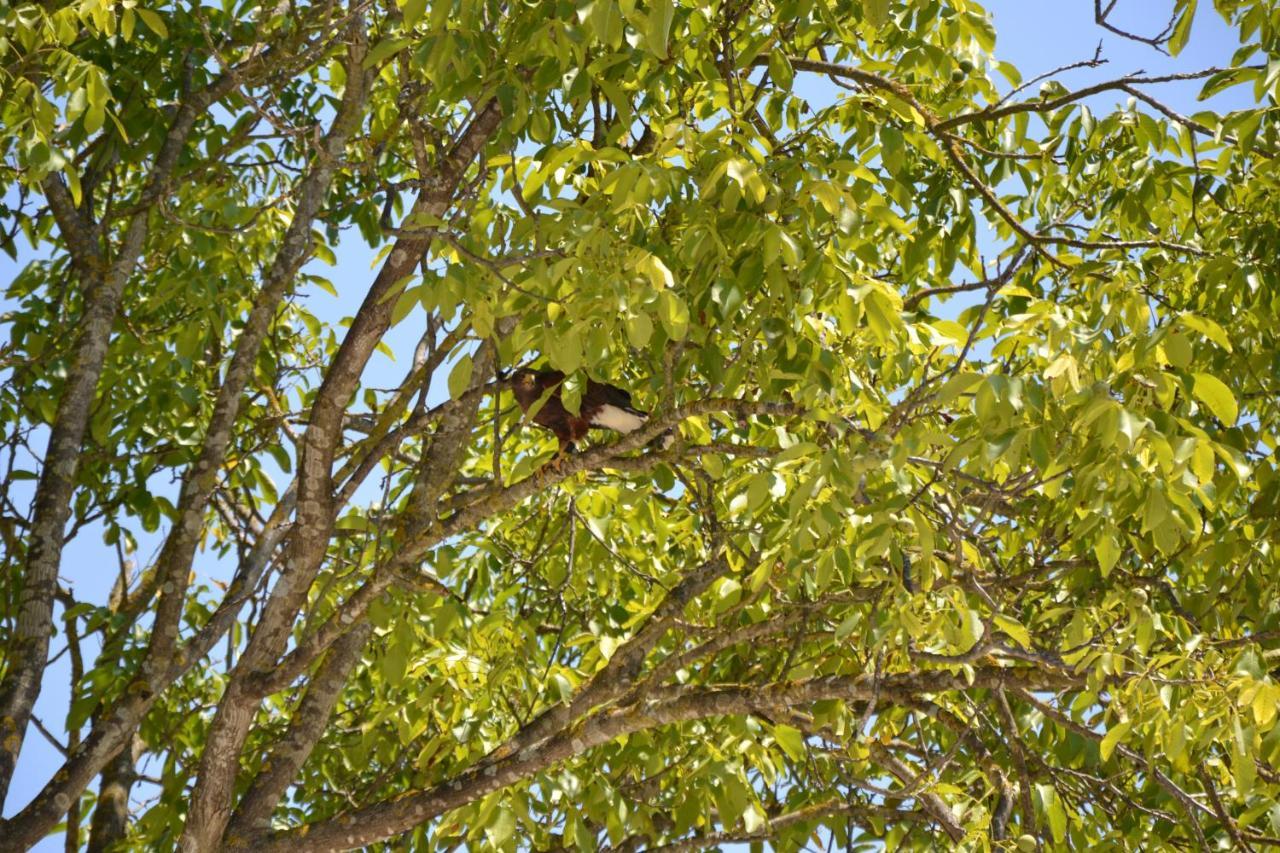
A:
602	407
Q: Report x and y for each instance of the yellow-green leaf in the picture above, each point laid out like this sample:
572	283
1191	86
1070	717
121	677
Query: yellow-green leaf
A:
1113	738
384	49
1182	29
154	22
876	12
1014	629
674	315
1107	552
1214	393
639	329
791	740
659	19
412	11
460	377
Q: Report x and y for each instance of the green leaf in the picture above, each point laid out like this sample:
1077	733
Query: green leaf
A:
412	11
881	316
1014	629
1051	805
674	315
73	183
1214	393
395	663
460	377
1182	29
639	329
1208	328
728	591
1107	552
1155	510
501	828
955	386
758	490
546	169
1178	350
876	12
154	22
732	799
791	740
657	271
565	350
406	302
661	13
76	104
846	626
384	50
571	393
780	69
1202	461
94	117
799	450
100	427
607	23
1114	737
1243	767
1247	663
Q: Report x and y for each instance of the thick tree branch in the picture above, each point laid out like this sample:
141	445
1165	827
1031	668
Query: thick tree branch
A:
103	287
111	814
175	559
664	707
306	725
102	303
308	544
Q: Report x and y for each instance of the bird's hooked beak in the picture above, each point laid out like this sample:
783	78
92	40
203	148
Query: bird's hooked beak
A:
514	376
507	377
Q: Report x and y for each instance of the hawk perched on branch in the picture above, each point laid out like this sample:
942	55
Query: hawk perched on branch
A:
602	406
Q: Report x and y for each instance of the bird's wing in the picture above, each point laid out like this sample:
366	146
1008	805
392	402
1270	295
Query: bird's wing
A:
549	378
558	421
600	394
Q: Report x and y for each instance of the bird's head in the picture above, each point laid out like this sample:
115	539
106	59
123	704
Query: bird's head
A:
524	378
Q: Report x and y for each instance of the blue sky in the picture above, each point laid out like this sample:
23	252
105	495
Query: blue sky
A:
1035	35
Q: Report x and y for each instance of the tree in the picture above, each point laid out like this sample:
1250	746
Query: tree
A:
968	534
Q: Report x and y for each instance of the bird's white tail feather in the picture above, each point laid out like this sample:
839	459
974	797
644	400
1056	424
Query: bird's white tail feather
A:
618	418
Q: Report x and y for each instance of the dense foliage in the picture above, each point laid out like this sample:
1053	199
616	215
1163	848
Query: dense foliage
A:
968	535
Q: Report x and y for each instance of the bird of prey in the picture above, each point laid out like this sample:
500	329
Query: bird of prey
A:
602	406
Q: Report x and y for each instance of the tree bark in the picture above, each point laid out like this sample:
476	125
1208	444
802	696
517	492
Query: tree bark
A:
661	707
305	729
179	550
21	685
103	288
111	815
215	781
